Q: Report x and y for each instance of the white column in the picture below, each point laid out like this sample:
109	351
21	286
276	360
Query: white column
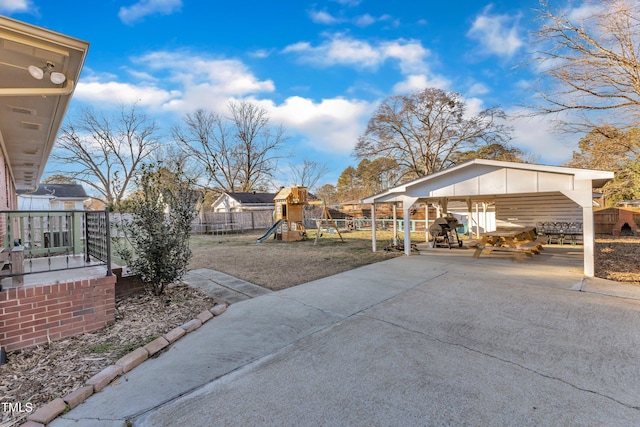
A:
588	236
373	228
395	224
426	222
583	196
407	202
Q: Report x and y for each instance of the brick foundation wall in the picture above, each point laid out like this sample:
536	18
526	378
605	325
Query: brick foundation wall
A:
33	315
127	285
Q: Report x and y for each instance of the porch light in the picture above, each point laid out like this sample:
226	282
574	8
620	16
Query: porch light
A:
39	72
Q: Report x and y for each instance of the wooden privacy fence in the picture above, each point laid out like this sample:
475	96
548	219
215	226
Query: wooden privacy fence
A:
608	221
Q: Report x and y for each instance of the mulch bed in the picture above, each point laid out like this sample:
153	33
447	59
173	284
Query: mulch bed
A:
618	259
40	374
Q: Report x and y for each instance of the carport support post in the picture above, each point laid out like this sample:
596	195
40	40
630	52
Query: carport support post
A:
583	196
395	224
426	223
588	237
407	202
373	227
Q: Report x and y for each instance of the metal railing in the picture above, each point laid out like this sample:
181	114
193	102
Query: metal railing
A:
44	241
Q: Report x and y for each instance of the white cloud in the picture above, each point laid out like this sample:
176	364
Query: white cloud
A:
585	10
330	126
139	10
420	81
176	81
114	93
367	20
342	50
17	6
478	89
474	107
322	17
350	3
537	135
260	53
497	34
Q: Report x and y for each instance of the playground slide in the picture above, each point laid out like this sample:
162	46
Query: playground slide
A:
269	231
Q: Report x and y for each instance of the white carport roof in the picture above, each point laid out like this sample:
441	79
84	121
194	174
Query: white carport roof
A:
480	179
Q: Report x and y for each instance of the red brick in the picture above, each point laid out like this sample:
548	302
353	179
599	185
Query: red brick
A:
133	359
191	325
11	314
12	321
174	334
104	377
156	345
34	298
55	305
58	329
32	311
68	309
78	396
217	310
57	317
8	302
33	323
48	412
15	309
27	336
205	315
15	345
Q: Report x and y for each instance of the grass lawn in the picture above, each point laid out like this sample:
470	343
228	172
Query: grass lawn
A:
278	265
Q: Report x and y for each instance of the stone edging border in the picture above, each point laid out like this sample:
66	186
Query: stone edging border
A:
47	413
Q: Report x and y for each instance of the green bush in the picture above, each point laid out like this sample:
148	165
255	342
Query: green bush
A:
157	229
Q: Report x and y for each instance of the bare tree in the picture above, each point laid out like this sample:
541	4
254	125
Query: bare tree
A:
104	152
589	64
308	173
423	130
238	152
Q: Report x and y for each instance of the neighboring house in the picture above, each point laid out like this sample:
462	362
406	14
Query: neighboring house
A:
53	197
244	202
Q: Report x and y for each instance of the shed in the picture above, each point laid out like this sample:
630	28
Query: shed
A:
242	202
523	194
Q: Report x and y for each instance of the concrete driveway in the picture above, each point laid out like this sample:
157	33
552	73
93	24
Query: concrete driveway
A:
434	339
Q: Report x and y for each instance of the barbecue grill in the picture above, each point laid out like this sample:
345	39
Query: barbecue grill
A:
443	231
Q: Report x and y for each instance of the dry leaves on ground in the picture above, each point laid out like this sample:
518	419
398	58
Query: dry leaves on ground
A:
618	259
45	372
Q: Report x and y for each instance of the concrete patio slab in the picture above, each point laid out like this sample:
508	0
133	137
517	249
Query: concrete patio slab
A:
438	338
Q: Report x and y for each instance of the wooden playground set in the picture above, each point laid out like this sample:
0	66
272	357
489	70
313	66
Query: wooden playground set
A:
288	223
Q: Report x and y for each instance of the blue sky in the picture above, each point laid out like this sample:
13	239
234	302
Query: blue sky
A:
319	67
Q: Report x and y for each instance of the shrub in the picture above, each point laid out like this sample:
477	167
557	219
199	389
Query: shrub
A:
157	231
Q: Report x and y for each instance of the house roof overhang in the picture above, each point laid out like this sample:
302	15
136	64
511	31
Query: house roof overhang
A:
482	179
32	110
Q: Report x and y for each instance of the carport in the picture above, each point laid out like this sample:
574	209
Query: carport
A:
523	193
